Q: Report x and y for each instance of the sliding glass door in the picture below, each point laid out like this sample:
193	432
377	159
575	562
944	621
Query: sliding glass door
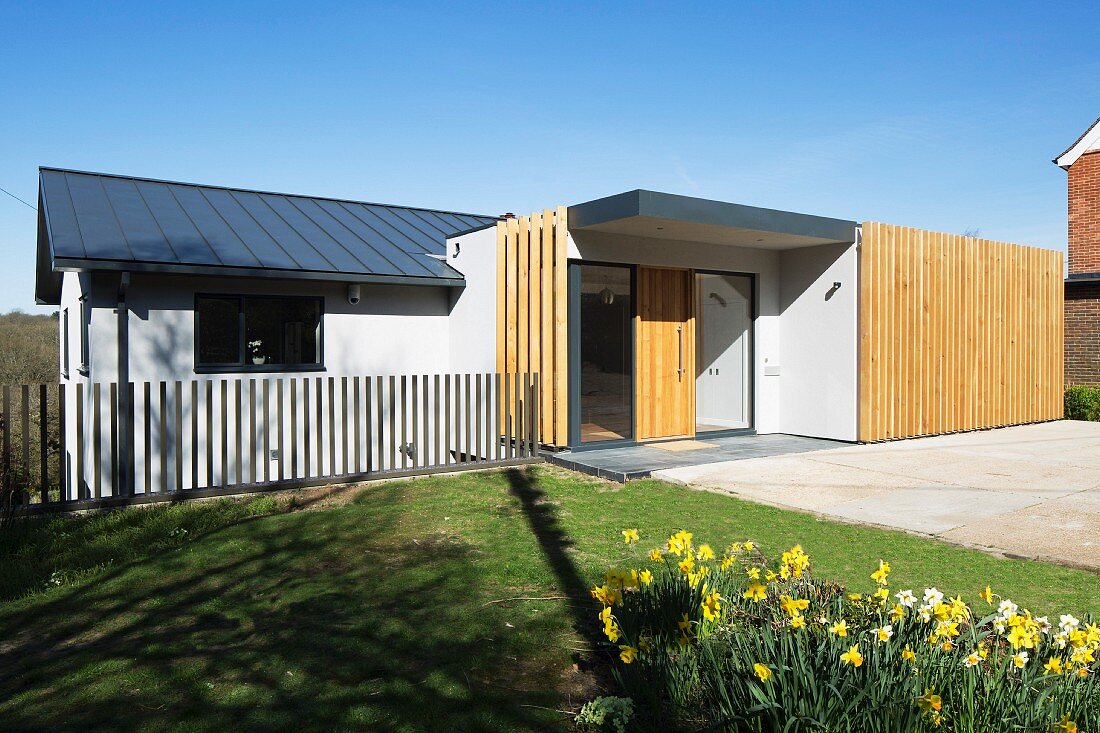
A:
723	352
606	353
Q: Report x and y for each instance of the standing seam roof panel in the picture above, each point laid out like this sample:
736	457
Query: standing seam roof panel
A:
350	215
283	235
394	224
65	236
341	259
373	261
141	230
223	241
262	246
103	239
179	231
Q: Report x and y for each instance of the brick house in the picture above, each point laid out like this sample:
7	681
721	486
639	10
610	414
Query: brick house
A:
1082	315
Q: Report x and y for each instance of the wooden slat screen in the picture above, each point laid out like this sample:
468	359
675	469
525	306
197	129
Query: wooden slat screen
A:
956	333
532	311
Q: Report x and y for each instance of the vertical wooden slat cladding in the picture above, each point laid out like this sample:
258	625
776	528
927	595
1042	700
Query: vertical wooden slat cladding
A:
532	308
956	333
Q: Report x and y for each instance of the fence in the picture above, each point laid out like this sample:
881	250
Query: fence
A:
95	441
956	333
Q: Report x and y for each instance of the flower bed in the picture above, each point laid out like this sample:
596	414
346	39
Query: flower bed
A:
731	640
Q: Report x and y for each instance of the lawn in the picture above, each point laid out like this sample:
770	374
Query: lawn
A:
451	601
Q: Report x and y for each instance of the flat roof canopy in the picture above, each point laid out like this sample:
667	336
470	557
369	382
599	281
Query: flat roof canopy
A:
685	218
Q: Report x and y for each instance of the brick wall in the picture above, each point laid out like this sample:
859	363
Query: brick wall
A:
1082	332
1084	214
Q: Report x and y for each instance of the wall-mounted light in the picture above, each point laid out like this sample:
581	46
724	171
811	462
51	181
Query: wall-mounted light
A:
607	296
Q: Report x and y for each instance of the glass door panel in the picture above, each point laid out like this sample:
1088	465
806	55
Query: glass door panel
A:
723	348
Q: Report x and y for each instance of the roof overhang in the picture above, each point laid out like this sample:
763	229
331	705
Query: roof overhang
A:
658	215
1089	140
62	264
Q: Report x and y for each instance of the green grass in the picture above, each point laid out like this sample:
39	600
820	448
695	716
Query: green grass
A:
390	611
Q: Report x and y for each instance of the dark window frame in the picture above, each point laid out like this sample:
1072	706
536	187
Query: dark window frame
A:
243	365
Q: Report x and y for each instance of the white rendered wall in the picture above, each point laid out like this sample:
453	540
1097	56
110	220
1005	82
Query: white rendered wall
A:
819	341
473	322
393	330
763	263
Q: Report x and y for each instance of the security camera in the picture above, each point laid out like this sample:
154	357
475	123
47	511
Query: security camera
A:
353	293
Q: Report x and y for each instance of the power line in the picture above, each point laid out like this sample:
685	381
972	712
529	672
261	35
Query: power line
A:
18	199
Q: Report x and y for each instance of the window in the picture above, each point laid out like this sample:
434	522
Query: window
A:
85	318
257	333
65	343
606	353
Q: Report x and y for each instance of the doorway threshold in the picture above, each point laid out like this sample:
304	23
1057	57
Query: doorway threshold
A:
628	463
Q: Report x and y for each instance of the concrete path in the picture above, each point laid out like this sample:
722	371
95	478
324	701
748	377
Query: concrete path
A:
1028	491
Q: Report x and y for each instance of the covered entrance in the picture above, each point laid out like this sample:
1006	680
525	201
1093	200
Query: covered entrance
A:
662	353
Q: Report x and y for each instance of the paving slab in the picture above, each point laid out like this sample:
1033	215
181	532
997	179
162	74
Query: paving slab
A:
1029	490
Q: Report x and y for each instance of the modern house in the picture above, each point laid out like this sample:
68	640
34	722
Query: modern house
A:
646	316
1082	162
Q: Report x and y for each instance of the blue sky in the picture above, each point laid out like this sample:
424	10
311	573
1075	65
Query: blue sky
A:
944	117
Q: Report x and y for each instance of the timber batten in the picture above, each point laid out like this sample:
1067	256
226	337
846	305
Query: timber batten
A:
532	311
956	333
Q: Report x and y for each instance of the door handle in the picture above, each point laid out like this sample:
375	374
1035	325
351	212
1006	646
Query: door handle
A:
680	346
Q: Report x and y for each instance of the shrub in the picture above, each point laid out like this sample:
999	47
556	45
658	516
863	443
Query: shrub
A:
735	642
1082	403
606	714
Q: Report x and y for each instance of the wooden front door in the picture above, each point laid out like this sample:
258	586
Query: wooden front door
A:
665	353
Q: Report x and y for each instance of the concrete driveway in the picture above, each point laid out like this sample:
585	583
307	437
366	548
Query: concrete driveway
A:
1029	491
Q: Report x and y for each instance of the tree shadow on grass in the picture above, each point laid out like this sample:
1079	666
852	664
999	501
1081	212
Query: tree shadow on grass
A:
556	545
323	620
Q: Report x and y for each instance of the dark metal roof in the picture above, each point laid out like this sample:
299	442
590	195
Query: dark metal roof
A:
95	221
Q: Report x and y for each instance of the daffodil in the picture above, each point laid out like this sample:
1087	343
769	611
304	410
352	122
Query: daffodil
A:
656	555
840	628
1054	666
646	577
971	660
628	654
705	552
1065	725
756	592
798	622
987	595
630	536
907	654
930	702
762	672
749	547
1007	608
753	573
684	623
712	606
906	598
687	564
1019	661
879	576
898	612
852	656
884	633
932	596
1068	622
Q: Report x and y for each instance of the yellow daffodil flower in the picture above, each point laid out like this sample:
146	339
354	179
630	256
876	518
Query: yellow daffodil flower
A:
630	536
879	576
852	656
646	577
987	595
712	606
762	672
840	628
1065	725
885	633
684	623
1019	661
656	555
798	622
749	547
705	552
907	654
628	654
756	592
753	573
930	702
1054	666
